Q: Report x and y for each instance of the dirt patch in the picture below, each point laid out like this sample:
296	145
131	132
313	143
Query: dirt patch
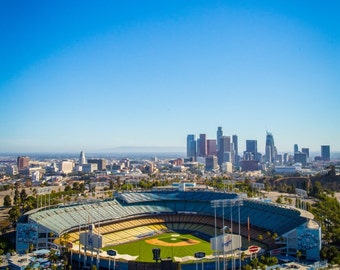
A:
159	242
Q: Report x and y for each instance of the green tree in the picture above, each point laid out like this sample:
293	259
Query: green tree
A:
254	263
267	185
14	214
23	195
243	256
336	235
279	199
16	199
317	189
7	201
53	256
330	253
111	183
67	189
289	200
4	224
272	260
81	187
119	181
2	247
30	203
76	186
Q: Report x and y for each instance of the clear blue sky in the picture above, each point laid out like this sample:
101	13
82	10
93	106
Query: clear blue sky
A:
94	75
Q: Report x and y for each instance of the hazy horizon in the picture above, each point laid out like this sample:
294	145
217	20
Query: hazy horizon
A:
136	150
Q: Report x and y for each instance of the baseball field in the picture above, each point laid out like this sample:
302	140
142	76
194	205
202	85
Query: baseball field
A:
171	245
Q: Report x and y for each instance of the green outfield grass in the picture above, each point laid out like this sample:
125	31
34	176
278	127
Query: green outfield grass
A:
144	249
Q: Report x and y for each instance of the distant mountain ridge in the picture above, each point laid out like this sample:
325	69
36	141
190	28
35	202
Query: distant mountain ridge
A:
117	152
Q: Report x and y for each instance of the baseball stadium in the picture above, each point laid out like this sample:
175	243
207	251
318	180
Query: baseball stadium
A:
174	229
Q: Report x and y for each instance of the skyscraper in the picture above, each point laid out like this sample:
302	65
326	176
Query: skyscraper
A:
101	163
251	147
300	157
219	134
82	159
235	143
203	145
296	148
270	148
191	146
325	153
23	163
211	163
306	151
225	146
285	158
211	147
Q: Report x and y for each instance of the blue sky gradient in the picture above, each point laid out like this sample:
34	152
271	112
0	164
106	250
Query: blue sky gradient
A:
93	76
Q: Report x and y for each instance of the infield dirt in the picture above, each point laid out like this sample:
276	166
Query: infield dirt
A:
159	242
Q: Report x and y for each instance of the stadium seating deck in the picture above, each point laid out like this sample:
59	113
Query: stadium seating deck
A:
186	211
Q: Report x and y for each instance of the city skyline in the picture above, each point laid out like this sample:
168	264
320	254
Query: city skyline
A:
96	77
226	144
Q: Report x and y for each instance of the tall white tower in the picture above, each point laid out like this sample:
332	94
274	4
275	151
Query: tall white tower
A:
82	159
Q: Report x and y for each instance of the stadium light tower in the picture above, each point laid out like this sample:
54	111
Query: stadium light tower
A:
239	203
222	203
217	204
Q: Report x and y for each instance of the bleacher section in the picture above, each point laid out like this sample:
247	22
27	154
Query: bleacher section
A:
201	226
134	214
